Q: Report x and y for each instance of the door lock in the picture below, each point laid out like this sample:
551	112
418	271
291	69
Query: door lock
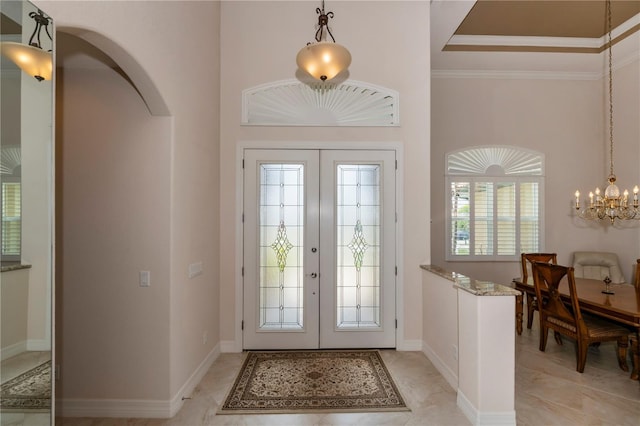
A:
313	249
313	275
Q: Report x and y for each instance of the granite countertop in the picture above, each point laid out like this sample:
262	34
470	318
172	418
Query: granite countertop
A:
13	266
477	287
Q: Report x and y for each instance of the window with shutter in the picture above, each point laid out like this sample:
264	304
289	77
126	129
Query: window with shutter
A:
11	220
493	203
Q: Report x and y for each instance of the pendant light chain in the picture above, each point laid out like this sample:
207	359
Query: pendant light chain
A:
610	90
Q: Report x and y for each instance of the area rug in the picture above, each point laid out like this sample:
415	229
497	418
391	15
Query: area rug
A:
28	391
309	381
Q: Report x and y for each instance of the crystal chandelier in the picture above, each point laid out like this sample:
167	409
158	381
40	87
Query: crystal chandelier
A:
612	205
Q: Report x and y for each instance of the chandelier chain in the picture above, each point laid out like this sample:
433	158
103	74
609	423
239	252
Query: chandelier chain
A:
612	204
610	46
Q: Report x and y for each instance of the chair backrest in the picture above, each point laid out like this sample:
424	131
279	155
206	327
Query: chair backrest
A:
636	282
546	279
597	265
527	258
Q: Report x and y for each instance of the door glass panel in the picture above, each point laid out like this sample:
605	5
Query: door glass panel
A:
281	224
358	246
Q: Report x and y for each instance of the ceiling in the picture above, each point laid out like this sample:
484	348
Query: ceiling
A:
561	36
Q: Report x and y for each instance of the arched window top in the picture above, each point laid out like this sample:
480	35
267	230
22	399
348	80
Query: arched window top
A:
495	160
293	103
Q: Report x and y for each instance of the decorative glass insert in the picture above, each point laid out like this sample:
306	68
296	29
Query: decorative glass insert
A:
358	230
281	225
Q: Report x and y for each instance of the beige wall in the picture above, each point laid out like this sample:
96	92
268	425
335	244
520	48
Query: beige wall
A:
139	193
14	293
389	41
115	217
564	120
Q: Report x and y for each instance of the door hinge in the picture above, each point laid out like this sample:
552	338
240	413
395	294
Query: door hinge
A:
396	164
396	323
243	163
396	271
242	217
242	325
242	271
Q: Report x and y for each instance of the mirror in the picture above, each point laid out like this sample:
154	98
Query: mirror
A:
26	177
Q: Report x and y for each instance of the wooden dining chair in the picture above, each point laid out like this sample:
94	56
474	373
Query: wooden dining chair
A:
567	319
527	258
636	281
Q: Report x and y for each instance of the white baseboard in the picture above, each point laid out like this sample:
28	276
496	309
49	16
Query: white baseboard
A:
196	377
450	376
230	346
13	350
507	418
136	408
133	408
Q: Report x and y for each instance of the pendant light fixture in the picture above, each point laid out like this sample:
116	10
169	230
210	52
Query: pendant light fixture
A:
32	58
613	205
323	59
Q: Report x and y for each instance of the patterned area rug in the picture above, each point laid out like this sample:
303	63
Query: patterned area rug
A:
28	391
307	381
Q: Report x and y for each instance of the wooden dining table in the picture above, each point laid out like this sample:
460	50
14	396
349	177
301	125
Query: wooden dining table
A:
623	306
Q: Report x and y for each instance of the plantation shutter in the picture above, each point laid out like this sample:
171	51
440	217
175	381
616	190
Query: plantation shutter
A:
494	207
11	219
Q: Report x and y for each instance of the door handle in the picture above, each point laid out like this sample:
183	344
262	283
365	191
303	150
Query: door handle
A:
312	275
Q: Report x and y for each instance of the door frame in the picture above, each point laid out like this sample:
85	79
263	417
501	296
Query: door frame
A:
237	344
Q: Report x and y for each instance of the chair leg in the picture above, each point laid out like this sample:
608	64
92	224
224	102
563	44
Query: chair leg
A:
558	337
623	345
530	309
519	314
543	336
581	354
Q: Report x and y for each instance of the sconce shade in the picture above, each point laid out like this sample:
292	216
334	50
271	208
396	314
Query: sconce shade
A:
32	60
323	60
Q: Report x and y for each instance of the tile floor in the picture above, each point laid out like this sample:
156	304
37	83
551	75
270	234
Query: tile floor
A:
548	392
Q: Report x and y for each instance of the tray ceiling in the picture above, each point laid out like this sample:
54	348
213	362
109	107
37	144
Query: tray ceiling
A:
524	35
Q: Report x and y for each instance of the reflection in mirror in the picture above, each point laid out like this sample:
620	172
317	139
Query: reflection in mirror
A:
26	177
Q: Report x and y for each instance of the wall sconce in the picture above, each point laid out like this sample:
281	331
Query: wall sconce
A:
323	59
31	58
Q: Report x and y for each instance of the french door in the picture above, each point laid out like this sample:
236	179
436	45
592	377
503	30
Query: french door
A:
319	249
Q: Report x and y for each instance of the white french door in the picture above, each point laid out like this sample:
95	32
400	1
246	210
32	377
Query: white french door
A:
319	249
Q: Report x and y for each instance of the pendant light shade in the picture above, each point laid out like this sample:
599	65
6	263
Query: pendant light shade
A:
323	60
31	57
32	60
